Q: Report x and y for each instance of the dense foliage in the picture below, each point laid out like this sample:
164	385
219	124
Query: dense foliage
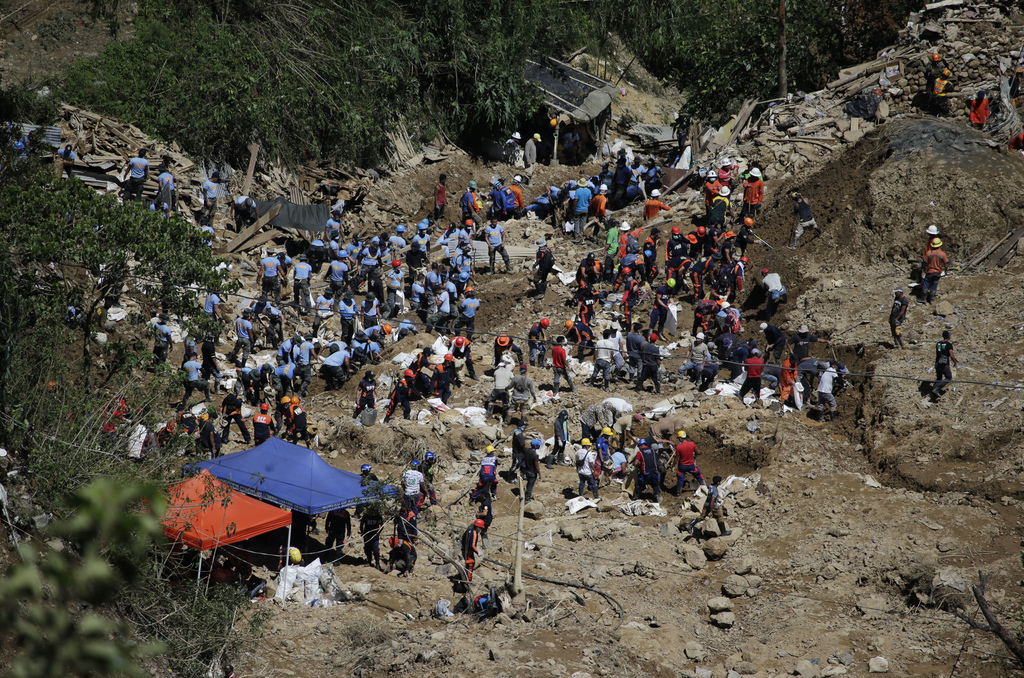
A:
329	80
68	405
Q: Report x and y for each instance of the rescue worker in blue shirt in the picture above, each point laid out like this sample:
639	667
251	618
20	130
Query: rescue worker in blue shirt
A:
300	283
211	307
422	238
457	287
332	229
337	275
619	183
347	310
659	314
317	254
307	353
467	316
369	263
207	231
283	375
395	280
194	381
581	335
275	321
494	234
443	312
418	296
336	367
284	352
397	241
168	192
405	328
370	308
378	333
138	173
246	384
245	334
646	461
211	189
269	276
163	340
190	352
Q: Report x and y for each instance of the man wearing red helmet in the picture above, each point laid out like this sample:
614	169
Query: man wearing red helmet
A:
537	341
400	395
463	357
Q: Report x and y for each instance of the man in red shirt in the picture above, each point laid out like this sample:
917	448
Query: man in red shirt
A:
440	196
686	458
559	365
754	365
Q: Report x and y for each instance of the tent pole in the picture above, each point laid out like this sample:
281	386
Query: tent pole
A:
288	549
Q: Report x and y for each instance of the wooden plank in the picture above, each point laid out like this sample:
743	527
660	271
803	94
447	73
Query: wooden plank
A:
249	232
943	3
1005	245
1015	249
741	120
816	142
262	238
254	150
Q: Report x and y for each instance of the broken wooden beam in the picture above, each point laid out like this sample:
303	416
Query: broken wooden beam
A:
251	230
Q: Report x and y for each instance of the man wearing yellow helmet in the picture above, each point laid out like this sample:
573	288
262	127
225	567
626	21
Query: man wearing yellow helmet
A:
586	467
488	484
686	457
935	261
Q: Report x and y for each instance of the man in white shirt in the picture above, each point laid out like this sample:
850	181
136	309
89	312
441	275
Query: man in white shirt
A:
603	356
411	481
586	458
825	382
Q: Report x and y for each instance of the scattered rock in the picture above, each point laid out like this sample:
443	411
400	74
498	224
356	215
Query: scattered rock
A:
948	587
695	557
873	607
604	506
703	673
944	308
745	566
668	530
719	604
806	669
746	669
723	620
599	532
871	482
878	665
747	498
493	653
572	531
715	549
734	586
534	510
695	651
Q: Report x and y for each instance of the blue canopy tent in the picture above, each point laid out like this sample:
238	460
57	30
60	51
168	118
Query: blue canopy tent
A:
290	476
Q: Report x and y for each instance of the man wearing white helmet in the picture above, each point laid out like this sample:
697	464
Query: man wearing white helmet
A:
520	209
753	194
654	205
720	207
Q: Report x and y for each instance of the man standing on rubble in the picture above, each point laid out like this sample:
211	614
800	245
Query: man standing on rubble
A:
943	358
805	218
935	261
138	173
897	315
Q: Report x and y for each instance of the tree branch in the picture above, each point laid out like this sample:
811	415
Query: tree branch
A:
994	627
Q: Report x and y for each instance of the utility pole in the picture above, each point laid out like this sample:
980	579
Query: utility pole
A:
783	84
517	580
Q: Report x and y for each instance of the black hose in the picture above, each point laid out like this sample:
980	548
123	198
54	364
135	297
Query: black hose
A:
622	610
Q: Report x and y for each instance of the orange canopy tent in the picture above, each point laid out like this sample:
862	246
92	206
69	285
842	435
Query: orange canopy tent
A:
205	513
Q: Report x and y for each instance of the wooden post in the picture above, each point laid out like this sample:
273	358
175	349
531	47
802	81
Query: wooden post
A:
254	150
517	580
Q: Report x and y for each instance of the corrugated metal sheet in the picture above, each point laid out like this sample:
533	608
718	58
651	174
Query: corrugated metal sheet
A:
51	135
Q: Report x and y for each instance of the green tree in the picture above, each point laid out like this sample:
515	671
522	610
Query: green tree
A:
49	600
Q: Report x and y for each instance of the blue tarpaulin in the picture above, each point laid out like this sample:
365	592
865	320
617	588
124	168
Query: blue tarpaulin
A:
290	476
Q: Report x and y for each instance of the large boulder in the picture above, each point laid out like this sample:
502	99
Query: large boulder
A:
715	549
719	604
533	510
734	586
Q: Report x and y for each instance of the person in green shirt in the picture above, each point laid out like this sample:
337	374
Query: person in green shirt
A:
612	240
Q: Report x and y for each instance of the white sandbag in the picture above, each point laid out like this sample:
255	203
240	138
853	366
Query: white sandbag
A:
403	360
577	504
673	318
437	405
580	370
440	346
301	581
399	301
567	279
135	442
798	395
473	416
116	313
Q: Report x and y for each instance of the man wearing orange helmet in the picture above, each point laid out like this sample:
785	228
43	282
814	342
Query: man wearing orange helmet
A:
940	91
462	355
581	336
442	381
403	389
745	237
297	424
537	341
502	345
